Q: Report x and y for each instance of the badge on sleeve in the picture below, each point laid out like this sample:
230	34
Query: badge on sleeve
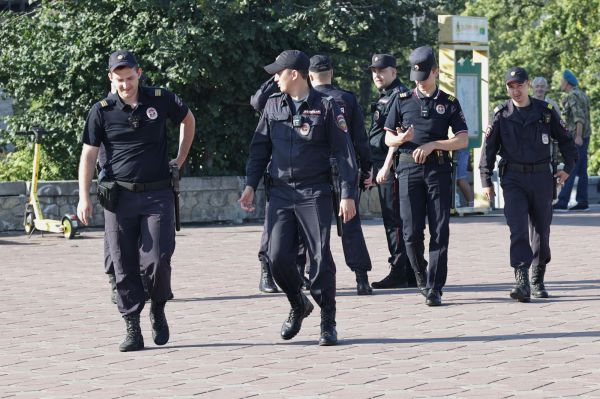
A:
440	109
178	101
488	131
545	138
152	113
341	122
376	116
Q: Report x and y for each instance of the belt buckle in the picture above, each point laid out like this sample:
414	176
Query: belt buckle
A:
528	168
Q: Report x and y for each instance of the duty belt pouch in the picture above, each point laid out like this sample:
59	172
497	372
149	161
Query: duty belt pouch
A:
108	195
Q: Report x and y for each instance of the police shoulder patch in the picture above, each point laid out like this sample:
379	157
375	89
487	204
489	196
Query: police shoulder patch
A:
341	122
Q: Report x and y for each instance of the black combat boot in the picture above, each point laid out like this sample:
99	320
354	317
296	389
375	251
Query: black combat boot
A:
521	291
160	328
362	283
395	279
301	308
113	288
266	284
421	279
328	333
434	298
133	340
537	281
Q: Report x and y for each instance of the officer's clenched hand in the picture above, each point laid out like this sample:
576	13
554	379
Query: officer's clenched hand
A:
382	175
406	135
420	154
347	209
247	199
488	193
84	209
368	182
562	176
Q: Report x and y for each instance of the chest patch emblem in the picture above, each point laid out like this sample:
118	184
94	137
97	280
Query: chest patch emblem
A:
545	139
304	129
376	116
152	113
440	109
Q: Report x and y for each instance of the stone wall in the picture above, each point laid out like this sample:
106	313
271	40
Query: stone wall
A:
203	200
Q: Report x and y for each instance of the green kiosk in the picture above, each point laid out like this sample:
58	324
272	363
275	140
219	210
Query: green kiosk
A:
464	73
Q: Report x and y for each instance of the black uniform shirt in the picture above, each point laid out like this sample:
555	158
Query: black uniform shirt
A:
355	120
443	111
525	142
134	154
380	111
300	154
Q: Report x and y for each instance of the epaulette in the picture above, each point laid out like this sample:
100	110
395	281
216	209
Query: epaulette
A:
405	94
499	108
157	92
106	102
451	98
549	106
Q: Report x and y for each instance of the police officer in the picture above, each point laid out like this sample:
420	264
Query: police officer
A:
298	131
139	226
356	253
418	125
522	131
384	73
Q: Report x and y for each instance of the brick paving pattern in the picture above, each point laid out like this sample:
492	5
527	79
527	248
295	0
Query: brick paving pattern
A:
60	332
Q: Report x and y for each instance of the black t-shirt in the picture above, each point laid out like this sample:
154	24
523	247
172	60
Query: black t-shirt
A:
431	117
135	139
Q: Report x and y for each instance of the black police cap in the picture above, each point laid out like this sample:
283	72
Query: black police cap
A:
121	58
289	59
320	63
516	74
422	61
381	61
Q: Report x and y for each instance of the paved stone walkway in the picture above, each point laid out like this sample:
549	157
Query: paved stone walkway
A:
59	331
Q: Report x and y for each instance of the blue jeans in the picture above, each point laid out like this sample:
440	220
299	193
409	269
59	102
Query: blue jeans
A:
580	171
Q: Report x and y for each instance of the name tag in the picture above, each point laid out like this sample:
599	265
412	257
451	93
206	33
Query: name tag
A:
545	138
297	120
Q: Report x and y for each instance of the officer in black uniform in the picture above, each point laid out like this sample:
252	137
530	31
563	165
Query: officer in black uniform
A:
418	125
356	253
140	228
298	131
522	131
383	70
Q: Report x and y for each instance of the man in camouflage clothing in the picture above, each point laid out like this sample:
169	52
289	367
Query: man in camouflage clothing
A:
576	112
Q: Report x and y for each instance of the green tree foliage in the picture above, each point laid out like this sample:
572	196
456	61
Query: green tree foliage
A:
546	37
53	61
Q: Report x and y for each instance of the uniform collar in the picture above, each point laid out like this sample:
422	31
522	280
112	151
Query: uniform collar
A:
326	86
422	96
388	90
142	97
533	116
308	100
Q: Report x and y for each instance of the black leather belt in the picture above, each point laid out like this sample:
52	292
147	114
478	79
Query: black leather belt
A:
140	187
528	167
433	157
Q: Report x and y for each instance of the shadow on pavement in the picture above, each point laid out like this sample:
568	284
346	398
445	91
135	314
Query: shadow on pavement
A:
369	341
